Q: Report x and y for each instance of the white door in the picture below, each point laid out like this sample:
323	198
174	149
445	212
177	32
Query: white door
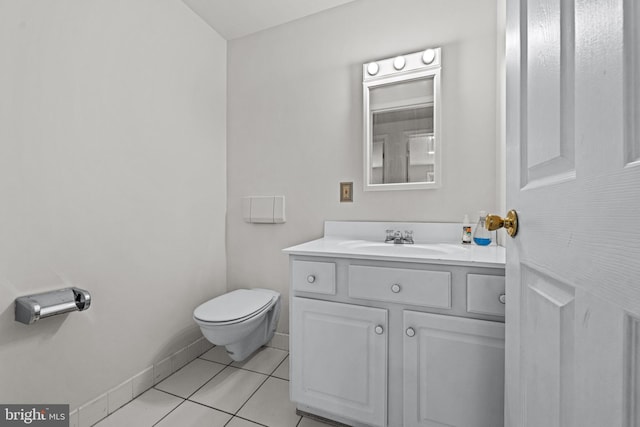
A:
573	175
453	371
339	359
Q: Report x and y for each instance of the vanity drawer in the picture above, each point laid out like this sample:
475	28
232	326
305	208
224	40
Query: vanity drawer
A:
415	287
314	276
484	294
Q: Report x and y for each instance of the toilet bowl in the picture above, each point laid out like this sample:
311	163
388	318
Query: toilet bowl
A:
242	320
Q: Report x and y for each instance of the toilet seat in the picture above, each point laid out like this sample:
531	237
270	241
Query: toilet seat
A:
233	307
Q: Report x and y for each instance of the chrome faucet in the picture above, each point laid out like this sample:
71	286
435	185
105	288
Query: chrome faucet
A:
397	238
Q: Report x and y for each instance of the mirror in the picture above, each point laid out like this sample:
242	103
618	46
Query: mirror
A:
401	122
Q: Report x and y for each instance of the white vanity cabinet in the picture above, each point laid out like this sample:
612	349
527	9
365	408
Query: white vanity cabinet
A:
340	362
395	343
453	371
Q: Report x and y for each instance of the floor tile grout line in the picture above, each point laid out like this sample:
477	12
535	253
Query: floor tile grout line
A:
280	364
209	360
252	370
200	403
184	366
245	402
169	393
211	407
233	415
259	387
167	414
122	407
210	379
222	410
246	369
173	373
249	398
215	361
252	394
186	398
271	372
246	419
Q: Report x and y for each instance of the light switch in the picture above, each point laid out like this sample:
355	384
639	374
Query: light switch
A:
346	192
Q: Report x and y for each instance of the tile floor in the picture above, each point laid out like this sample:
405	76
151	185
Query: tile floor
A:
214	391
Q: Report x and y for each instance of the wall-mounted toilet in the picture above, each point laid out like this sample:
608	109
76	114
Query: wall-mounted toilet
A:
242	320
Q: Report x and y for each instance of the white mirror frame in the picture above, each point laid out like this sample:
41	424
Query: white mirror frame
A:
415	69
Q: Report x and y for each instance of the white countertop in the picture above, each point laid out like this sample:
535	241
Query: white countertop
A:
430	253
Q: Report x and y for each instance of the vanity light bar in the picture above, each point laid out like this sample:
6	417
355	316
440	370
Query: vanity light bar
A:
422	60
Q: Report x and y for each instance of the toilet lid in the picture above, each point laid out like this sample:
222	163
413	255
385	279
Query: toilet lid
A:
232	306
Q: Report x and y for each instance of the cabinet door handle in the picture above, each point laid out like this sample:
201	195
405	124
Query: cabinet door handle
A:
311	278
395	288
411	332
379	329
502	298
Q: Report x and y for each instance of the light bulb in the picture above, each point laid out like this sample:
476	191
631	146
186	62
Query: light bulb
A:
428	56
399	62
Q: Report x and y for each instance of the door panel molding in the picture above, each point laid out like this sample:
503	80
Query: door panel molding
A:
632	370
547	387
548	99
632	85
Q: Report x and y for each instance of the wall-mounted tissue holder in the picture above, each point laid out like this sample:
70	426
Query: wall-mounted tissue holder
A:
31	308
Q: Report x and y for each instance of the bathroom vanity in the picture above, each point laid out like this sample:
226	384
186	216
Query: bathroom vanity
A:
397	335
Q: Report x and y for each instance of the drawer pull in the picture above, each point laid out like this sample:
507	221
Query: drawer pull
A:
379	330
411	332
395	288
311	278
502	298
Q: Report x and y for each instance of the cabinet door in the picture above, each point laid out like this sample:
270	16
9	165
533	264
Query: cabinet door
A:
339	359
453	371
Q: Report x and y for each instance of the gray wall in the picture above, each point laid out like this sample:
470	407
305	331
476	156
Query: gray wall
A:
112	178
295	124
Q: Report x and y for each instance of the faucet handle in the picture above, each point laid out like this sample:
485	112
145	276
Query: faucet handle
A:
408	236
390	235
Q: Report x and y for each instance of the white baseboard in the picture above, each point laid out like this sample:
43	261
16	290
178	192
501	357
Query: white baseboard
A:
280	341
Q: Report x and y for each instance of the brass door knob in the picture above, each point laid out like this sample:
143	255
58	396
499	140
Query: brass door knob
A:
510	222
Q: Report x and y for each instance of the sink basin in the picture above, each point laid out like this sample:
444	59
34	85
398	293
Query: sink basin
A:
359	244
418	249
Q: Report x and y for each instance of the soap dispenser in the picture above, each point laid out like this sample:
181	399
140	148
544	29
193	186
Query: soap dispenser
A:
466	230
482	236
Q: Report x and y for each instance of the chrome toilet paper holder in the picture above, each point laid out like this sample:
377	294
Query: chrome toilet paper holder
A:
31	308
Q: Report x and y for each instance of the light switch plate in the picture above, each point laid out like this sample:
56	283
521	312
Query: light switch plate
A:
346	192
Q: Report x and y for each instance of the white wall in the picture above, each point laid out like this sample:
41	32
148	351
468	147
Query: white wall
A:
295	123
113	179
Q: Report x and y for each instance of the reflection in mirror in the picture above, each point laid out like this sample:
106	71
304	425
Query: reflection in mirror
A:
401	113
405	121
